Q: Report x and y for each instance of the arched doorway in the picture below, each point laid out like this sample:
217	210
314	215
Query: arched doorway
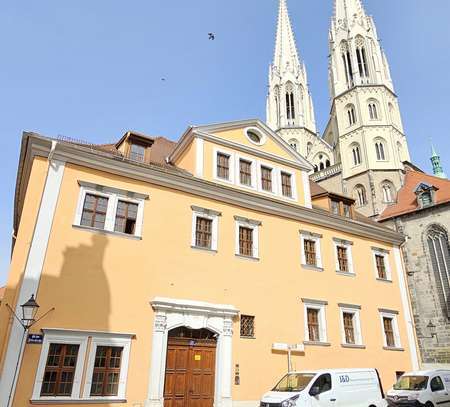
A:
190	368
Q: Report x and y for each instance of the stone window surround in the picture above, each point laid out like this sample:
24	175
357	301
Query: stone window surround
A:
387	313
207	214
305	235
250	224
385	253
113	195
356	311
173	313
321	307
348	245
85	353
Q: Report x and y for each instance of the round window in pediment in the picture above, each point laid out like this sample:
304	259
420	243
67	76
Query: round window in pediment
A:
255	136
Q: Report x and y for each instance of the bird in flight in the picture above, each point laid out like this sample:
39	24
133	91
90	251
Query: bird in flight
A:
163	79
211	36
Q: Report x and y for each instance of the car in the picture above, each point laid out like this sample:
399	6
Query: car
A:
426	388
327	388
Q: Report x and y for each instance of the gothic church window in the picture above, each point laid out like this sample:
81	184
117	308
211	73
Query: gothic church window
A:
380	150
362	59
356	153
294	144
439	251
309	147
373	110
388	192
360	195
290	105
347	60
351	115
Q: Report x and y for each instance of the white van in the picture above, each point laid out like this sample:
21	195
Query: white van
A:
326	388
429	388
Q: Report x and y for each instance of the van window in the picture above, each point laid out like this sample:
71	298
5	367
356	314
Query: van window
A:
411	383
323	383
436	384
294	382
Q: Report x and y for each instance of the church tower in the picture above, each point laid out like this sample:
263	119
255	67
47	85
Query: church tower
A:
365	128
290	110
438	171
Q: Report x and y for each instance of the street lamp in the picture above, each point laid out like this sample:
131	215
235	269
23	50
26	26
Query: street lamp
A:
29	312
433	330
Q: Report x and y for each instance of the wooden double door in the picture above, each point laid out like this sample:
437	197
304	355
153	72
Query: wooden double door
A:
190	373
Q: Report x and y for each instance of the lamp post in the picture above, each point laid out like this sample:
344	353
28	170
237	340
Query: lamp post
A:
433	330
28	319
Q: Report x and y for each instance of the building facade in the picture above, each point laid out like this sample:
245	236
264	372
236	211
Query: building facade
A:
422	214
363	147
173	268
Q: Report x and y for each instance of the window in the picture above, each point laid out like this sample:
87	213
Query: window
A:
294	143
247	326
361	58
344	263
137	152
391	337
309	148
290	105
426	199
380	151
347	63
436	384
373	111
105	378
223	166
350	325
256	138
360	195
381	264
356	153
439	252
286	184
315	321
245	172
335	207
351	115
109	209
310	254
313	325
245	241
126	217
347	210
247	238
266	178
204	228
60	375
322	384
60	370
94	211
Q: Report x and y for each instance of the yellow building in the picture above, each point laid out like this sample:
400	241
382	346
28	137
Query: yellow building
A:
173	268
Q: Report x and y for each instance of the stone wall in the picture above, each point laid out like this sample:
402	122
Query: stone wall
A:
423	285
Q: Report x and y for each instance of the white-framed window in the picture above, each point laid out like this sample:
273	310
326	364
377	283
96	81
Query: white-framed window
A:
247	237
205	226
351	333
310	250
223	165
381	264
389	329
356	154
381	150
343	254
315	320
246	172
351	115
268	178
110	209
64	353
255	136
286	181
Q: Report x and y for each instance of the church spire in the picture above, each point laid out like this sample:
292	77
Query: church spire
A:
438	171
348	10
286	54
289	103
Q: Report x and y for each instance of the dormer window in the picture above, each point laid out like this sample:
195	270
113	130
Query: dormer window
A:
137	152
425	194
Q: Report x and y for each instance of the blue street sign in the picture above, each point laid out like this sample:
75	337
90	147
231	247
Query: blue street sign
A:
35	339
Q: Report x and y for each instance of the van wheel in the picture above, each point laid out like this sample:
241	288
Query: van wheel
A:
429	404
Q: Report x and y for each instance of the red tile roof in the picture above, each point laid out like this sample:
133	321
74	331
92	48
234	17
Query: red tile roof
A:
407	199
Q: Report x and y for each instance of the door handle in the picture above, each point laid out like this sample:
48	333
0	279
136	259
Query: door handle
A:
332	399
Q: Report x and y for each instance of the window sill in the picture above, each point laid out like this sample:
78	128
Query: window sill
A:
76	401
248	337
394	349
312	343
346	274
350	346
241	256
312	268
204	249
107	232
384	280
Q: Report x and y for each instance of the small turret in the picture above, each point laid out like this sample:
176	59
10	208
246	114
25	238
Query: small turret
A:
438	171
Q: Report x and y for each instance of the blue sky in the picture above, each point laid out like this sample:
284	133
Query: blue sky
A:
92	69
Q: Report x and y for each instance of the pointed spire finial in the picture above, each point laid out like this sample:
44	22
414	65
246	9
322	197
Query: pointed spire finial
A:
286	53
438	171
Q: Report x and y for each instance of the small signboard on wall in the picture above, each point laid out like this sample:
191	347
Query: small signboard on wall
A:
35	339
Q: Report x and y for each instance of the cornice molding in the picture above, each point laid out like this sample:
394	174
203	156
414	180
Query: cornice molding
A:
83	156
